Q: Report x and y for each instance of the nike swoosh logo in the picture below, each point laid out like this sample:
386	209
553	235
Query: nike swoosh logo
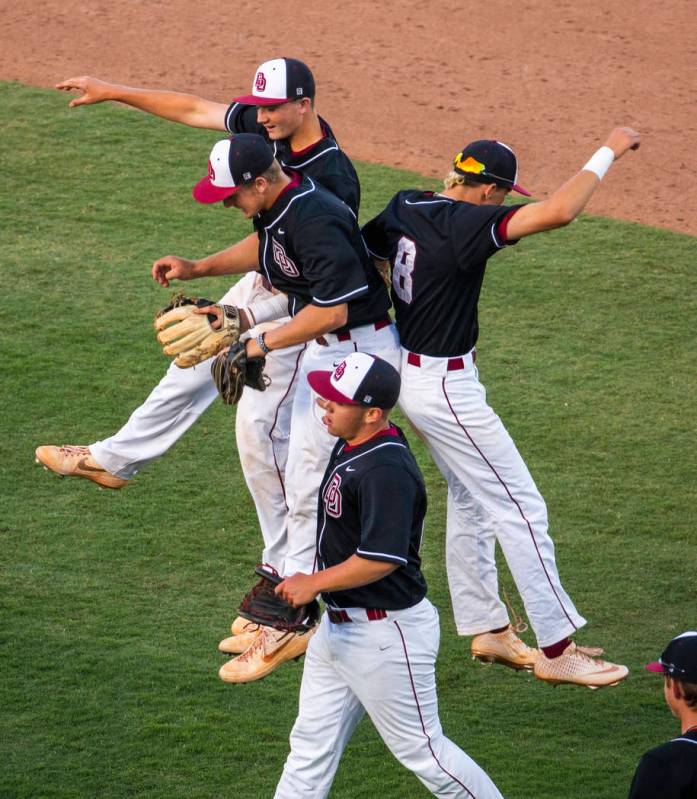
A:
350	469
82	464
281	231
383	648
267	656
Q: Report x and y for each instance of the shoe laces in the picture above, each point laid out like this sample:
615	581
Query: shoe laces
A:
71	449
517	644
582	653
259	643
519	625
591	651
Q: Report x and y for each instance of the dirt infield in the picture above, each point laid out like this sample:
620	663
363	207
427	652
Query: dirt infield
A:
407	84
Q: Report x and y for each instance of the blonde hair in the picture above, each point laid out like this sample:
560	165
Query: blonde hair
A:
454	178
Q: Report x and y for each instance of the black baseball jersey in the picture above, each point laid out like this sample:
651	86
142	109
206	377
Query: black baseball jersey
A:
323	161
372	503
668	771
310	248
438	249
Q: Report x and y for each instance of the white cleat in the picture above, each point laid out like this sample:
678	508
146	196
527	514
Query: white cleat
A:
504	648
76	461
576	667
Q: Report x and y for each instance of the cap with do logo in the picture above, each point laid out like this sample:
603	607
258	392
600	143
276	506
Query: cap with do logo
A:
489	161
360	379
279	81
679	658
232	163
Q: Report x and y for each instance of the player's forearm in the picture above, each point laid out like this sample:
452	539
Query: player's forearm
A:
352	573
569	200
561	208
309	323
239	258
174	106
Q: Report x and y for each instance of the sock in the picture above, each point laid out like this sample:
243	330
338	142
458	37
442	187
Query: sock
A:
556	649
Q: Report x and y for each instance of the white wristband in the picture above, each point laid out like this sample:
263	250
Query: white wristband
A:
268	310
600	162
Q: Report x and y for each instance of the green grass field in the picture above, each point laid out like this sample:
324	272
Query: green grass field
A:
113	602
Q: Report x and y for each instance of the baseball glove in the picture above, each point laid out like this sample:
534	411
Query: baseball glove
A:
190	336
263	606
233	370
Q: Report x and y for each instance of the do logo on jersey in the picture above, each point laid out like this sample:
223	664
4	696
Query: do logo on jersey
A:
332	497
282	259
260	82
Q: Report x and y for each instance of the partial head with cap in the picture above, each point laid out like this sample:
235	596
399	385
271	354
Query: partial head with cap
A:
243	173
283	91
483	173
678	665
357	396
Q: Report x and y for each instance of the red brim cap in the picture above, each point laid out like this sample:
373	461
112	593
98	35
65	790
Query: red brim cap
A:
655	666
521	190
253	99
320	382
205	192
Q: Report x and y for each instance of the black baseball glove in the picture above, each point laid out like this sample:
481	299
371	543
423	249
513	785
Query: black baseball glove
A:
263	606
233	370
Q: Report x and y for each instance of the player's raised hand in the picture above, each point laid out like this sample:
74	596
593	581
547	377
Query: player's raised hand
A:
171	267
621	140
93	90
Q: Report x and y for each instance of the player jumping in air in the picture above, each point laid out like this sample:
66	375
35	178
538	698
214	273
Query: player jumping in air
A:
438	245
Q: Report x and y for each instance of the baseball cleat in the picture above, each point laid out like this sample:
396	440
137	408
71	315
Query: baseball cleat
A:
504	648
270	649
73	461
575	667
242	625
237	644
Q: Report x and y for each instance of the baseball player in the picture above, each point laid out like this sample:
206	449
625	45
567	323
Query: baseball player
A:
308	246
376	646
670	771
280	108
438	245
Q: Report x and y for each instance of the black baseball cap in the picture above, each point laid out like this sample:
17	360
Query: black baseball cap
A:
232	163
679	658
360	379
489	161
279	81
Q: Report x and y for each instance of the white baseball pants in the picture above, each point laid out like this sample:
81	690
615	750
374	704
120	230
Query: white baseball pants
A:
387	669
310	443
262	426
449	409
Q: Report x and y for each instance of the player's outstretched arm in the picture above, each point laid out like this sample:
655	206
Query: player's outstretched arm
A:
241	257
185	108
569	200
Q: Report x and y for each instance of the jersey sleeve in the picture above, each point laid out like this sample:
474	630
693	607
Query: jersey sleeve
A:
475	232
343	185
387	499
375	237
326	247
241	118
